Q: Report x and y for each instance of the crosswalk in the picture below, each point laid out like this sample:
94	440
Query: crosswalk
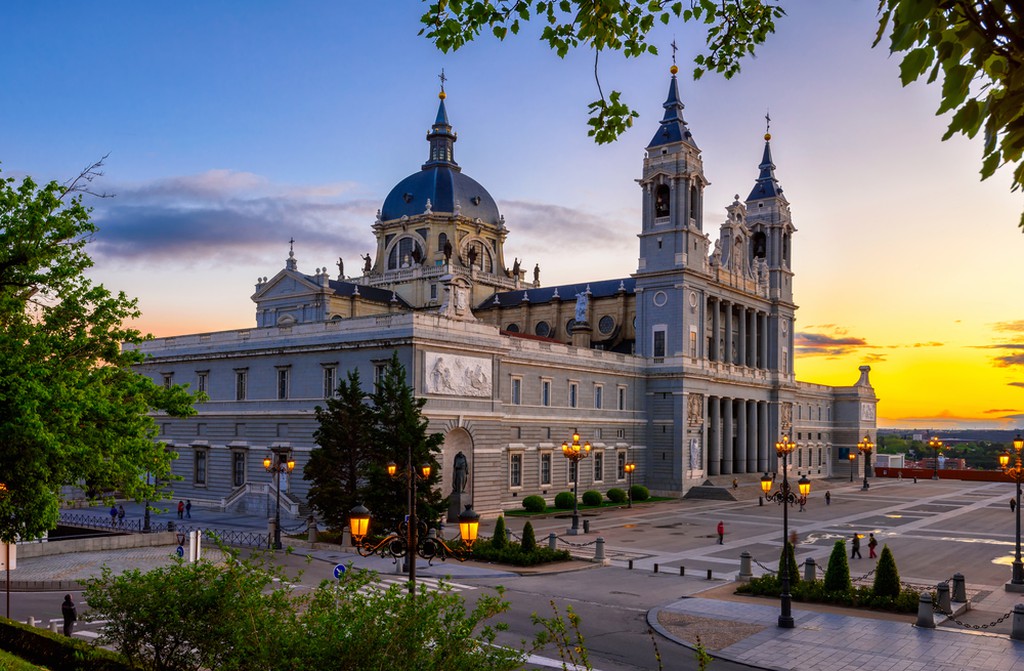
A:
383	583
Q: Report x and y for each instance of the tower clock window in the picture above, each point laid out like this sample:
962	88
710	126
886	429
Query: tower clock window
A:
662	196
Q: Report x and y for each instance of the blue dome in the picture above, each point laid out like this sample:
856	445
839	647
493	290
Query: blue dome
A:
443	185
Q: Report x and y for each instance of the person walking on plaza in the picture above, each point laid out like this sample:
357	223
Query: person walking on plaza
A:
70	613
113	515
828	498
181	510
855	552
721	532
872	544
188	508
120	515
1013	505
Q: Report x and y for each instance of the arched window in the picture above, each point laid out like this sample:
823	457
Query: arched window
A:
760	245
441	240
694	204
478	255
405	254
662	201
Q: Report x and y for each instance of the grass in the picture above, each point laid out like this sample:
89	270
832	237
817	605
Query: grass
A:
9	662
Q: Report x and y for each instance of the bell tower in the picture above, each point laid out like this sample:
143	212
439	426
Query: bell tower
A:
770	225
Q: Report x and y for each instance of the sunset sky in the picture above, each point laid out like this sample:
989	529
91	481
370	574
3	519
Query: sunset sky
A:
234	126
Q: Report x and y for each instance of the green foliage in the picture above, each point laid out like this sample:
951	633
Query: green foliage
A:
734	28
40	648
837	575
345	450
639	493
816	592
788	557
565	635
74	411
500	537
592	497
616	495
514	555
887	577
978	49
529	542
564	500
535	504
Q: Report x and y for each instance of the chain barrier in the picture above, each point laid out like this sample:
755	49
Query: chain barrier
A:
296	529
967	625
763	567
863	577
576	545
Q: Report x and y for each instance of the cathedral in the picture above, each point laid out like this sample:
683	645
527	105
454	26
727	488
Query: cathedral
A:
684	369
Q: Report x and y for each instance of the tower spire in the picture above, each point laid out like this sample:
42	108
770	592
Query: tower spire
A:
441	137
766	186
673	126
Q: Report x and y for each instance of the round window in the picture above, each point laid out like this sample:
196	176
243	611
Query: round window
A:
568	326
660	298
512	328
606	325
542	329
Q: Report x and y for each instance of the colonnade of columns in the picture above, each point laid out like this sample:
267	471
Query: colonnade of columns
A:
738	437
750	348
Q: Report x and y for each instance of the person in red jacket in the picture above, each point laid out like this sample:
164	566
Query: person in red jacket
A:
721	532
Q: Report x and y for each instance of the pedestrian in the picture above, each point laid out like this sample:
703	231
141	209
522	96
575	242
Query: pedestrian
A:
828	498
120	515
70	613
188	508
899	476
735	483
915	479
1013	505
802	502
793	538
872	544
855	552
721	532
181	510
113	514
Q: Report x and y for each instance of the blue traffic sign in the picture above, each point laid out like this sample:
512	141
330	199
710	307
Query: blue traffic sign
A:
339	571
180	551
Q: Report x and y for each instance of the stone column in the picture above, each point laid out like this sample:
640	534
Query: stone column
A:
762	436
715	306
764	340
727	439
752	443
728	332
740	458
741	340
714	435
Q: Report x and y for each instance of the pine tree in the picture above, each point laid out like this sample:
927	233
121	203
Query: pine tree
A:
887	578
789	558
529	538
500	538
837	575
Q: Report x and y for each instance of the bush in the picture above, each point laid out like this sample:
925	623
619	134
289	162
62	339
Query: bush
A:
639	493
515	555
616	495
500	537
529	543
564	500
44	648
535	504
788	557
837	575
887	578
592	497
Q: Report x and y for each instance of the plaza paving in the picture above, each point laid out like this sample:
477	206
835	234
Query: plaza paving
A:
934	528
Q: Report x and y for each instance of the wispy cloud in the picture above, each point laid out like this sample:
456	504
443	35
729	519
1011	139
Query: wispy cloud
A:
545	225
1016	384
831	345
999	411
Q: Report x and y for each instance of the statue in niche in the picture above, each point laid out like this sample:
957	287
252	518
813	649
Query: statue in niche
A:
460	474
447	252
367	263
417	256
472	256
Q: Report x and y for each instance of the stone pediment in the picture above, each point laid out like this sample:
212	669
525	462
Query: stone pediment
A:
286	284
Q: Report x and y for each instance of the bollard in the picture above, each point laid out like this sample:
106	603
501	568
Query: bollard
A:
760	500
31	621
553	541
586	526
508	534
709	575
1017	632
809	568
959	588
54	624
942	590
746	570
925	618
599	549
346	537
311	530
655	568
630	564
682	570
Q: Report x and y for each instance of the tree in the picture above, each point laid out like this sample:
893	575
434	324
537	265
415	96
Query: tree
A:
788	559
887	577
72	410
345	448
976	45
837	575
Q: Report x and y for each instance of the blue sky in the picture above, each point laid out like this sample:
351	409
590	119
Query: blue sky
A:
232	127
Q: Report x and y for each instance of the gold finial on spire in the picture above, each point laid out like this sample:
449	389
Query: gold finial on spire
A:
674	69
443	79
767	126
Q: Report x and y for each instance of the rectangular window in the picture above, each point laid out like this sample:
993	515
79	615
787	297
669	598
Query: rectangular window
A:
433	292
282	384
330	381
622	398
240	384
598	396
545	469
199	474
515	469
574	394
598	466
517	391
238	468
378	374
168	380
202	381
693	343
545	392
659	343
620	466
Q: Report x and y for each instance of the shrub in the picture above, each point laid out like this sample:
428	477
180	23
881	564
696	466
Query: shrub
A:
788	557
564	500
837	575
529	543
535	504
592	497
514	555
616	495
640	493
887	578
500	538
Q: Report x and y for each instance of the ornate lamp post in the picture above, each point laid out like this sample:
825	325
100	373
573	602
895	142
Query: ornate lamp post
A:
786	497
575	453
865	447
852	457
278	463
1016	473
629	468
936	445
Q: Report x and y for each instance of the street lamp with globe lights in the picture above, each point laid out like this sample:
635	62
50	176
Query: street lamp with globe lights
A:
865	447
936	445
278	462
629	468
575	453
1016	473
852	456
786	497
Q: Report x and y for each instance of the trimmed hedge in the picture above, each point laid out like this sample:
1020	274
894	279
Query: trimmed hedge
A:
640	493
44	648
529	542
616	495
592	497
564	500
534	504
513	553
500	537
